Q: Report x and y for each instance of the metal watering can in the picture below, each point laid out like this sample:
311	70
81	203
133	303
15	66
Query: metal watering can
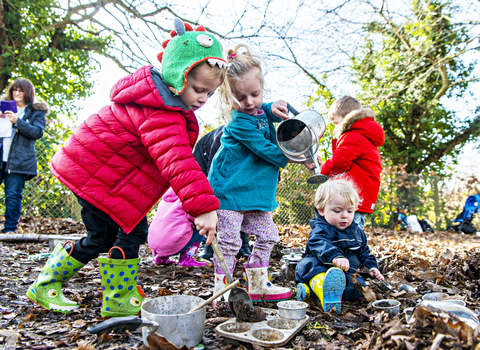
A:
298	138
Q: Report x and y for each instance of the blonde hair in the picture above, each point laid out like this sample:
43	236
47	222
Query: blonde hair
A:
240	60
343	106
215	71
328	190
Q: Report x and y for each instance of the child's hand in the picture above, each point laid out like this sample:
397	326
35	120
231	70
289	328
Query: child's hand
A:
279	108
206	223
341	263
309	166
374	272
319	160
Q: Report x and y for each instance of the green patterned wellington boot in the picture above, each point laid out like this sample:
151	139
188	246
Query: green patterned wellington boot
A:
121	295
46	291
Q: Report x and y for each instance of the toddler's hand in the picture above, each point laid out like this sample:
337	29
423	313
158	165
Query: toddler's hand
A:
319	160
374	272
309	166
206	223
341	263
279	108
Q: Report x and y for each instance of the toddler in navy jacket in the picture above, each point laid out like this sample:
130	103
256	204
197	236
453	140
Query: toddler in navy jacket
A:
336	248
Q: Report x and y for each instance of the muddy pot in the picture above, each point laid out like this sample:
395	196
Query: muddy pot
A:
170	312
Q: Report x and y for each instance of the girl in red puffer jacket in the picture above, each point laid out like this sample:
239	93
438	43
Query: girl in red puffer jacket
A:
120	162
355	151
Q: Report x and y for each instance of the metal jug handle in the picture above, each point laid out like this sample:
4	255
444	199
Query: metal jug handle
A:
291	109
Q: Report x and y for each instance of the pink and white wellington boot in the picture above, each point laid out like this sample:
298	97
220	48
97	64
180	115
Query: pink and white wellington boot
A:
256	274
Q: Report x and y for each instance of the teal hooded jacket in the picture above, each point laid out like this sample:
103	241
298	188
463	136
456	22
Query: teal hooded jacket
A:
244	171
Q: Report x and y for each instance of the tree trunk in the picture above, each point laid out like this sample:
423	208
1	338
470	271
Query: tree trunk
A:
436	203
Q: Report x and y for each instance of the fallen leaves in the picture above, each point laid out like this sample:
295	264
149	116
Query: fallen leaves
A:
157	342
445	262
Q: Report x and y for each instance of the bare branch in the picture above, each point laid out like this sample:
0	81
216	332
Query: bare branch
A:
445	148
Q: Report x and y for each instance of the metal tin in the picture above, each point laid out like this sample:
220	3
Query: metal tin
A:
293	310
393	306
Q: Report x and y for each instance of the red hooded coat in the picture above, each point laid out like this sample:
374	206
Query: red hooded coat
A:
355	154
124	158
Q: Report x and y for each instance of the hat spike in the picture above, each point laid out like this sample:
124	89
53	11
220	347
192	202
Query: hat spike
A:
179	26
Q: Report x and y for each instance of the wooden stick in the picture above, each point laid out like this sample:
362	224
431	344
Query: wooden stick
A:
36	237
215	296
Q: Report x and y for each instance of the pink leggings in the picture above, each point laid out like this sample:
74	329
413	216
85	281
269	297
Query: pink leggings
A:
255	222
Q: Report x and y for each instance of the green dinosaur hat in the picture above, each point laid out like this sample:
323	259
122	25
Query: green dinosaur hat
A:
185	50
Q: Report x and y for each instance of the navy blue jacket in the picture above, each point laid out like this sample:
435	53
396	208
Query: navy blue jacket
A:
326	242
22	158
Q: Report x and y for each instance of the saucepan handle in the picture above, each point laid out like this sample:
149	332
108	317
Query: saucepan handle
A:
120	324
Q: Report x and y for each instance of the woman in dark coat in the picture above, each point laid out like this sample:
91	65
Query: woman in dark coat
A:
18	150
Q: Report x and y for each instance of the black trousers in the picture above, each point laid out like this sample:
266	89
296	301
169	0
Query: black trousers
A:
103	233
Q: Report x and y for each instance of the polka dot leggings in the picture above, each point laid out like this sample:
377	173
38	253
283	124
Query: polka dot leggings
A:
258	223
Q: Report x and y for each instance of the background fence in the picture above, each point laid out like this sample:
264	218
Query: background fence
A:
435	198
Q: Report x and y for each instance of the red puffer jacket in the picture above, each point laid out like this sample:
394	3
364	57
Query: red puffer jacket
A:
125	157
355	154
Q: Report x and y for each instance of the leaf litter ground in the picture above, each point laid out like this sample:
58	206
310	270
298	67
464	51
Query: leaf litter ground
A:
441	262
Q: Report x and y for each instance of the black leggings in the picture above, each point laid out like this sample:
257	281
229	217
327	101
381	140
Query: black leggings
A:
103	233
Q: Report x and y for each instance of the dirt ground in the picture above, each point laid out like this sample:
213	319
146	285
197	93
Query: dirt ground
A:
441	262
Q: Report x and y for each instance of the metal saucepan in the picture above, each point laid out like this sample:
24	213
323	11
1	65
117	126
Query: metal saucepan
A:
178	318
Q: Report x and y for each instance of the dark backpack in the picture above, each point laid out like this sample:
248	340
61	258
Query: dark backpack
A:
426	226
468	227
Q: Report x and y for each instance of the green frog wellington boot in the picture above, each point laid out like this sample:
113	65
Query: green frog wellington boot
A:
121	295
46	291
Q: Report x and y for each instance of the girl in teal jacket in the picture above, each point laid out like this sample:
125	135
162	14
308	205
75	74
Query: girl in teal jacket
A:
244	173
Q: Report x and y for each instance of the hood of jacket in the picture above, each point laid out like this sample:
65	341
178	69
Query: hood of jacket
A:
41	106
363	121
156	95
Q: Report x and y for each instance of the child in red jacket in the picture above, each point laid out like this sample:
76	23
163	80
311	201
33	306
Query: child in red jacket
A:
121	161
355	151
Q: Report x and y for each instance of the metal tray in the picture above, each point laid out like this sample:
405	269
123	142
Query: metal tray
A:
274	331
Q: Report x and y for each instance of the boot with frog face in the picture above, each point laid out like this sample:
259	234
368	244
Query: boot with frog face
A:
46	291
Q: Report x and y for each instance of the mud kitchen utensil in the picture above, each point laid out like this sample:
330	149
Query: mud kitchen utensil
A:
236	294
178	318
273	332
292	309
388	305
215	296
289	262
464	313
384	285
299	137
